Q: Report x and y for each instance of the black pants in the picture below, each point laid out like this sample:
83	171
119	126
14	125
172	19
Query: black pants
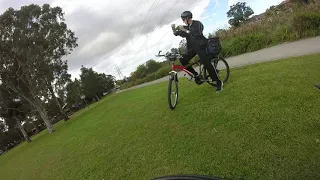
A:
205	59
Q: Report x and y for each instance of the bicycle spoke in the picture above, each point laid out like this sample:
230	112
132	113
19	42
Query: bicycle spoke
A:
222	68
173	93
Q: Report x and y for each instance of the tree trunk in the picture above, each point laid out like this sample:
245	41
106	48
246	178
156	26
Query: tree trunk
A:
46	120
64	115
42	112
97	97
36	103
23	131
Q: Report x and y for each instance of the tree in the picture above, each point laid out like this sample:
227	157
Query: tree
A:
73	92
152	66
53	109
2	127
13	111
174	50
239	13
94	84
33	41
57	72
140	73
109	81
89	82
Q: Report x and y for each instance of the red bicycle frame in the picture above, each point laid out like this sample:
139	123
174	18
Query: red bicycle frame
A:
181	68
176	68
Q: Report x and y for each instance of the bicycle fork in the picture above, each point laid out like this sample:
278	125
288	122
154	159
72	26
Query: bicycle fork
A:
173	75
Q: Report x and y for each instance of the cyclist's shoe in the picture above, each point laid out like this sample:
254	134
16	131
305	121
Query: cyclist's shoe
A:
219	86
197	79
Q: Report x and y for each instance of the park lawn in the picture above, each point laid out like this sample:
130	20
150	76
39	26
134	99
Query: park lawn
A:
264	125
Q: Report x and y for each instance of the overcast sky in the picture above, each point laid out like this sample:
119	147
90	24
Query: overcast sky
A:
127	33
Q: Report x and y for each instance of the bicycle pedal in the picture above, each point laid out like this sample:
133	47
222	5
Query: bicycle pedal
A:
200	81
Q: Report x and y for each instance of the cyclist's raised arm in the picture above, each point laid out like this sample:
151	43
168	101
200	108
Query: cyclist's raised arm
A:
181	33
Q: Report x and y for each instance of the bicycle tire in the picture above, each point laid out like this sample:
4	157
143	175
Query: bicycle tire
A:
172	80
215	62
187	177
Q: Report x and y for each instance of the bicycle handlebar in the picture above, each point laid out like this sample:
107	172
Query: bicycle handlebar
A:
170	56
160	55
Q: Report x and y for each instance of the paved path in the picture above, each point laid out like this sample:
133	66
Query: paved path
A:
286	50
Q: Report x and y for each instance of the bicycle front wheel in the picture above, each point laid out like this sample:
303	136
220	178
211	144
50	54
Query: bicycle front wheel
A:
172	91
222	68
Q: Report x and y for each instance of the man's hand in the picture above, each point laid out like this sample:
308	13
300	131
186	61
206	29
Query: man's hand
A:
181	28
173	27
181	33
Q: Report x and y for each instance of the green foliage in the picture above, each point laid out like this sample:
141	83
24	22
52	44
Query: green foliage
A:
73	92
143	70
152	66
243	44
94	84
34	41
283	33
53	109
306	24
133	135
279	25
239	13
163	71
13	111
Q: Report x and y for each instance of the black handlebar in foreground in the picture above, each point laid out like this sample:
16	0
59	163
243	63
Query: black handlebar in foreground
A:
188	177
160	55
170	56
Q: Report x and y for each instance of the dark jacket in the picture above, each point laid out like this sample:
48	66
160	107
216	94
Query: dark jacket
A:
195	38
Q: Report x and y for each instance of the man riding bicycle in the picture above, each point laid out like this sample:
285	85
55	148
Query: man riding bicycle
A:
196	44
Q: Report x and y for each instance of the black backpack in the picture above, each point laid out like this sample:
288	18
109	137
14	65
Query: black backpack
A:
214	46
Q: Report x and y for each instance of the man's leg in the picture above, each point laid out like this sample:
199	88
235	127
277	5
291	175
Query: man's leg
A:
206	61
317	85
185	61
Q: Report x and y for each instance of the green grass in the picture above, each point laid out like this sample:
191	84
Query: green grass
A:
264	125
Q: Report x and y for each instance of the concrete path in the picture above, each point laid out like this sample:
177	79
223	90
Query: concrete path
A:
286	50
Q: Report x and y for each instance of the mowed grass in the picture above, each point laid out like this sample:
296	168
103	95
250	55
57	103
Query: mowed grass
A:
264	125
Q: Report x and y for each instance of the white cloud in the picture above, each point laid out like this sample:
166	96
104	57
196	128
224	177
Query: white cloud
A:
111	37
112	33
139	50
107	34
232	2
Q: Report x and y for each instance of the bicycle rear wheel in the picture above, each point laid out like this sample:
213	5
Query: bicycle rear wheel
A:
173	91
222	68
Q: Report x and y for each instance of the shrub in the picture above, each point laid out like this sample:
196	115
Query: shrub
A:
163	71
276	27
306	24
243	44
282	33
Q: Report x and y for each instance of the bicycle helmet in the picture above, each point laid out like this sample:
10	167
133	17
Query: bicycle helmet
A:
186	14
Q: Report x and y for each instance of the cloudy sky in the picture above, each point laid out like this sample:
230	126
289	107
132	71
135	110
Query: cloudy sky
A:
127	33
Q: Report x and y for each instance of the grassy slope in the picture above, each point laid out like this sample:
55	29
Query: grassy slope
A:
265	125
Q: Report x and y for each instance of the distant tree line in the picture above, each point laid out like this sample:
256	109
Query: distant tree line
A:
36	89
